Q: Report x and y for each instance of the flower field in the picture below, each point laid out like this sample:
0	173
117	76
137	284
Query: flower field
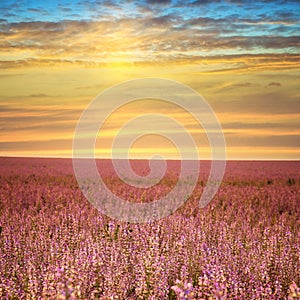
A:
55	245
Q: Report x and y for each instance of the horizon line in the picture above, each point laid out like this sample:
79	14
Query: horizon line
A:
167	159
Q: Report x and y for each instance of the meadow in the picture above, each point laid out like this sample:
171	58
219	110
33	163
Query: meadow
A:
55	245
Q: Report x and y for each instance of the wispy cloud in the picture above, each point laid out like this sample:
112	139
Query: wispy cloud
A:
274	84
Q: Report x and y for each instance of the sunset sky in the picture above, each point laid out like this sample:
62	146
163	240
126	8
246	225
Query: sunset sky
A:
241	56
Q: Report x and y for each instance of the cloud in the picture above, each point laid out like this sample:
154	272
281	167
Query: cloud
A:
126	39
276	126
243	84
239	85
36	10
11	75
155	35
45	122
261	140
165	20
65	9
211	64
259	103
39	95
159	2
274	84
204	2
37	145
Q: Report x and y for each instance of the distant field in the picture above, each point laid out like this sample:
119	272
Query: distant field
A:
55	245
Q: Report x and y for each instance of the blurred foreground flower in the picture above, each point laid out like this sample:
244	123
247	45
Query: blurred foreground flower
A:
294	292
184	290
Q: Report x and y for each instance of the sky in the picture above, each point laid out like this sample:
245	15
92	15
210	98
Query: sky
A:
241	56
